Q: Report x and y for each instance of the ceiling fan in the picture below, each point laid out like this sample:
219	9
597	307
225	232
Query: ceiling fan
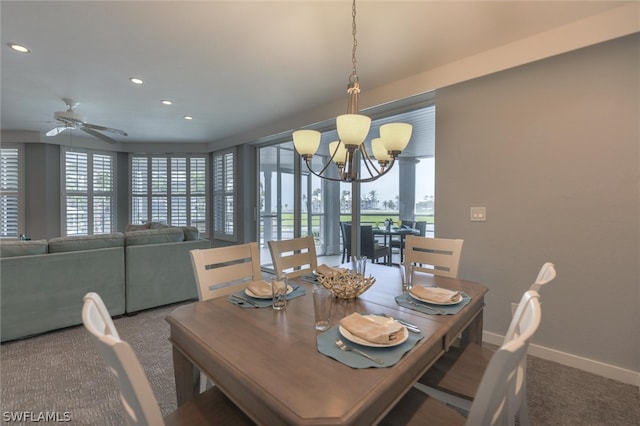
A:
71	120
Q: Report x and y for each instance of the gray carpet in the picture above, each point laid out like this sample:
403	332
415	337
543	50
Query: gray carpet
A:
61	372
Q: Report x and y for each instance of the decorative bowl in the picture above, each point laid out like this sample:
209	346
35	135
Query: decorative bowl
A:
345	284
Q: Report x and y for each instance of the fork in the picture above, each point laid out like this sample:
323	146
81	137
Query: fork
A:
346	348
240	300
422	305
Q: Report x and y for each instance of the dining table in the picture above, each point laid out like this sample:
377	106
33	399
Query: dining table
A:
273	365
389	233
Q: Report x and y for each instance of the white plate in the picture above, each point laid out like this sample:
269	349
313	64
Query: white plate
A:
255	296
433	302
404	335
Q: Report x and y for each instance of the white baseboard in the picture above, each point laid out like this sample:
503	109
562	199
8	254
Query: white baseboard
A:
581	363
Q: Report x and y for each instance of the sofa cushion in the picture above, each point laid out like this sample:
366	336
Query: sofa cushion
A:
157	225
85	242
154	236
191	233
137	227
23	248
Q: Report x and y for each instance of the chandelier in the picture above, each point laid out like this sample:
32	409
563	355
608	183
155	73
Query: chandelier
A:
352	129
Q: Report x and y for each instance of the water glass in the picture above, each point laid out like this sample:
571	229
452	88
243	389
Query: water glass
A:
359	264
279	293
407	277
322	301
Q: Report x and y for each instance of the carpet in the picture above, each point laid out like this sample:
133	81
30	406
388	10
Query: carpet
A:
62	374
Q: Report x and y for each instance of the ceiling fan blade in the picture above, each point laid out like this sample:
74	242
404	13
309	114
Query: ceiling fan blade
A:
97	135
105	129
56	131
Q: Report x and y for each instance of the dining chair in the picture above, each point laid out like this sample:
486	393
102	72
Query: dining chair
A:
368	245
421	226
437	256
223	270
136	395
455	377
501	392
293	258
346	241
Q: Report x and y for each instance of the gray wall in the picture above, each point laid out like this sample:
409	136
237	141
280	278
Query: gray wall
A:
552	150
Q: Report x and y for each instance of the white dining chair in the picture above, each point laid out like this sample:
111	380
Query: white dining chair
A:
293	258
455	377
500	397
221	271
437	256
136	395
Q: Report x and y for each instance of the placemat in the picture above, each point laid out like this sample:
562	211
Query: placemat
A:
403	300
253	302
390	356
310	278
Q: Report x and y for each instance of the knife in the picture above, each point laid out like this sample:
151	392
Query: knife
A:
410	327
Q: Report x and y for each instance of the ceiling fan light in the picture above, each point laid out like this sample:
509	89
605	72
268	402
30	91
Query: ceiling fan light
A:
353	128
396	136
306	142
340	156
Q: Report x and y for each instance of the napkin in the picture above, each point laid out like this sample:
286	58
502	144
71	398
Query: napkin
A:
435	294
260	288
326	270
366	328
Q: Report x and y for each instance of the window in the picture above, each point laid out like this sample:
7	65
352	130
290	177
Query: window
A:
170	188
223	195
88	192
11	221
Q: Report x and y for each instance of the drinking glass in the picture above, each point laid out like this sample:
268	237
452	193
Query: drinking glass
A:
279	293
322	301
407	277
359	264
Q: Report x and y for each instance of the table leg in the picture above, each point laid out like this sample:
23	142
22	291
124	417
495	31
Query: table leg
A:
187	377
473	333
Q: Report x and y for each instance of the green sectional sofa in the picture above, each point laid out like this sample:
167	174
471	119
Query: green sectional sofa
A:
42	282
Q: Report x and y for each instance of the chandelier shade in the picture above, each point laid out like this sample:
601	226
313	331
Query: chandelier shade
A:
338	151
353	128
380	151
306	142
396	136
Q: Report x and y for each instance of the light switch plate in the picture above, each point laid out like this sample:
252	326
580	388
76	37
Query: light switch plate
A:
478	214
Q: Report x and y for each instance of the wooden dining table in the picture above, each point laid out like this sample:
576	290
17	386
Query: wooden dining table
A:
267	361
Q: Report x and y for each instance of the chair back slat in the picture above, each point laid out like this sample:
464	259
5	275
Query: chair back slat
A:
438	256
223	270
293	258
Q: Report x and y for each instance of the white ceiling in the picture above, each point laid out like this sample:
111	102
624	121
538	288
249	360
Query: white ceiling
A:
236	66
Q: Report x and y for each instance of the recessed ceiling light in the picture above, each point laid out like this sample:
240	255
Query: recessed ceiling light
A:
18	48
166	102
136	80
188	117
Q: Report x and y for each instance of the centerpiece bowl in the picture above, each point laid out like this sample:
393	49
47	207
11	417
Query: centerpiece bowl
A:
345	284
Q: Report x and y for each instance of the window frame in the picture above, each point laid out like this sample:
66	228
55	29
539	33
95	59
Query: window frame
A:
226	192
91	193
169	192
19	193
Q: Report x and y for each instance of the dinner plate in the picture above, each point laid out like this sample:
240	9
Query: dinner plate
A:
255	296
433	302
404	335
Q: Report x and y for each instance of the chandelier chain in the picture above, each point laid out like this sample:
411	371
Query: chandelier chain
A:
354	74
